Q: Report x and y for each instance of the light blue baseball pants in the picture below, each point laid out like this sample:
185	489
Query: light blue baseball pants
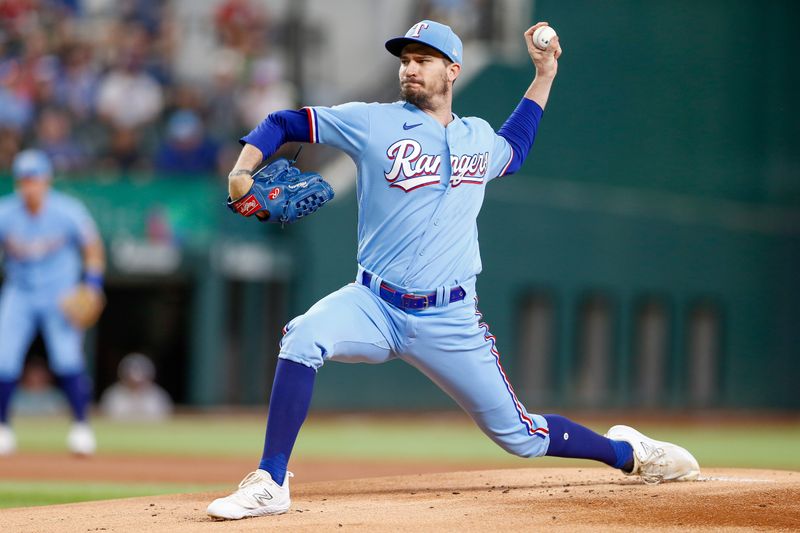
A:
448	344
22	313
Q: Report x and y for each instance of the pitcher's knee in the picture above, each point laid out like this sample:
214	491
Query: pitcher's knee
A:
301	344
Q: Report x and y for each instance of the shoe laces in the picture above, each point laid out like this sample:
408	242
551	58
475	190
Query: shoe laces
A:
257	476
252	477
654	466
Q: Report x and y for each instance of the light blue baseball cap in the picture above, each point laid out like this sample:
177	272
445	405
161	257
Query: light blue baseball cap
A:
433	34
32	164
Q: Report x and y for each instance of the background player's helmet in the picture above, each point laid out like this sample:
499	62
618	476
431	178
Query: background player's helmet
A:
32	164
434	34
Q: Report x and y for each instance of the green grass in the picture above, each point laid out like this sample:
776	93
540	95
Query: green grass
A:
25	493
427	438
185	436
340	437
769	447
433	438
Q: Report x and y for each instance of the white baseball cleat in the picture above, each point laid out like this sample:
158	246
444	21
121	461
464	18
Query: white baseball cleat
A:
80	439
8	442
258	495
656	461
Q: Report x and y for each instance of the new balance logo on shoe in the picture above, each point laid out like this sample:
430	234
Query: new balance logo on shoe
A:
258	495
263	498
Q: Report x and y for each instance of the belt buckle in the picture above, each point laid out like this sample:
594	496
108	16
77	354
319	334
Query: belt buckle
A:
415	298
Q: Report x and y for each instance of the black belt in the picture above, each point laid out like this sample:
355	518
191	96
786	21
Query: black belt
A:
410	300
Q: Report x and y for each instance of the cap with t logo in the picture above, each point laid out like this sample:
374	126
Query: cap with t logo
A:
434	34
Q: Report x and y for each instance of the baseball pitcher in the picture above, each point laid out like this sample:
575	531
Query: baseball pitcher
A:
422	171
54	264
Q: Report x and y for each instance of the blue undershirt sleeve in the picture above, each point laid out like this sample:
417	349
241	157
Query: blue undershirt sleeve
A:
278	128
520	130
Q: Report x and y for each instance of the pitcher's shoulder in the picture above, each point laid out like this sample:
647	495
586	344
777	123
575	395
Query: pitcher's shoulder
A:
356	106
477	123
388	107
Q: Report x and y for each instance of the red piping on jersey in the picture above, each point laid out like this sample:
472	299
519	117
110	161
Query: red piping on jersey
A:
311	126
509	162
526	420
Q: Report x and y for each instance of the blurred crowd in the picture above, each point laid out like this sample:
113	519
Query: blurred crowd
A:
93	83
134	397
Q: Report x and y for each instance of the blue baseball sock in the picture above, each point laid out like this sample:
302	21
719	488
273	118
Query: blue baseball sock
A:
288	407
568	439
6	390
75	387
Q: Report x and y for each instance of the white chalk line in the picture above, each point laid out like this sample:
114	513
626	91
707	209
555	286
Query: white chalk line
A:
736	479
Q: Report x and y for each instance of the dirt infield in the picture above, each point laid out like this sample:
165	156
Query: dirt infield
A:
587	499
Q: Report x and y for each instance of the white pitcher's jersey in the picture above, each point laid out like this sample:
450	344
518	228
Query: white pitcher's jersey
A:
420	187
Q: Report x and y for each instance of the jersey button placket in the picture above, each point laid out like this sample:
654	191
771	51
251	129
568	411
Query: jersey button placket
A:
433	222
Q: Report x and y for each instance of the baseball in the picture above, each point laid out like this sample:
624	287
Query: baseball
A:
543	36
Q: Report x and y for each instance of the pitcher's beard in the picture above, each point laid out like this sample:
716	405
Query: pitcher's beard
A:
421	98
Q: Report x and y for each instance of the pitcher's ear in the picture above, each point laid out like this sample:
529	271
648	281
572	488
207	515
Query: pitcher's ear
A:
453	70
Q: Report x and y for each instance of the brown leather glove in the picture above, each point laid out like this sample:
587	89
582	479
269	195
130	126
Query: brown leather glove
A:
83	306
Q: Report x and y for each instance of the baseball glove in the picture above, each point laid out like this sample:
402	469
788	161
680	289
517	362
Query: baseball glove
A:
281	194
83	306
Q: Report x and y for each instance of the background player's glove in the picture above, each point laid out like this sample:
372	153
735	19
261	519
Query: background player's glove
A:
83	306
282	194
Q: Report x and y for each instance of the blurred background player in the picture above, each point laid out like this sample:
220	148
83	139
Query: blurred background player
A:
51	249
136	396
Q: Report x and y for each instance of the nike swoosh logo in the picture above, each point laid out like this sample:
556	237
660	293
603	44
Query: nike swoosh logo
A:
406	126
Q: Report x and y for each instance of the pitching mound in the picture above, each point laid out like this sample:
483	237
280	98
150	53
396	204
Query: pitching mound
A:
492	500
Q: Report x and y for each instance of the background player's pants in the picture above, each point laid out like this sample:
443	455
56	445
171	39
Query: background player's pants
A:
22	314
448	344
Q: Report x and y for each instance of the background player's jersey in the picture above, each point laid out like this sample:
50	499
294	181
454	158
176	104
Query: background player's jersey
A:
43	251
420	187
